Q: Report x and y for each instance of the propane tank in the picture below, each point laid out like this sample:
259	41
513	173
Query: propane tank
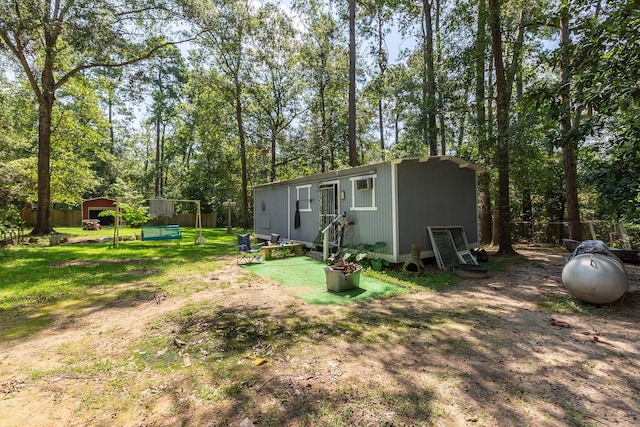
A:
595	277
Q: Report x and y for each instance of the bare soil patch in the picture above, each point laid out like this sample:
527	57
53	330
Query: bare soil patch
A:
77	262
511	349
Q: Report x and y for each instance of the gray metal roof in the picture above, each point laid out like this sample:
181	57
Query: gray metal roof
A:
364	168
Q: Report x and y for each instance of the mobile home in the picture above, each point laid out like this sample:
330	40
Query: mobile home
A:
391	202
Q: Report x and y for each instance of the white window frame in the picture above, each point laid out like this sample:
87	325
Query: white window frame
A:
306	199
373	206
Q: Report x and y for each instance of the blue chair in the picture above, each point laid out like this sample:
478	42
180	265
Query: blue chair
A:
247	253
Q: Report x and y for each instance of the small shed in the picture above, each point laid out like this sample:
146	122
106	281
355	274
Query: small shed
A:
391	202
91	208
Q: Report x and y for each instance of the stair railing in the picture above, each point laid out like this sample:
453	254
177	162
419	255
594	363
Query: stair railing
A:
325	237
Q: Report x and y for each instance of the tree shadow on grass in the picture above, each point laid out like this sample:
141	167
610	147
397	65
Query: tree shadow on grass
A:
225	344
401	361
410	359
39	287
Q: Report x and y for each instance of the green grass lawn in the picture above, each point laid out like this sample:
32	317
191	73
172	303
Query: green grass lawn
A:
196	360
38	279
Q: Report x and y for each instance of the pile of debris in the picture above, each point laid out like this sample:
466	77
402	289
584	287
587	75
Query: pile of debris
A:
345	267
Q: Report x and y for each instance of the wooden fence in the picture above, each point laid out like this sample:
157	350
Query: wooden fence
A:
66	218
209	220
58	217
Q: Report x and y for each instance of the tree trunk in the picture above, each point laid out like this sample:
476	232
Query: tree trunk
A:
495	238
45	109
491	141
443	141
571	189
324	137
382	64
243	152
430	83
158	170
353	155
43	224
164	173
462	125
527	212
273	154
569	141
440	104
486	224
502	118
112	136
381	127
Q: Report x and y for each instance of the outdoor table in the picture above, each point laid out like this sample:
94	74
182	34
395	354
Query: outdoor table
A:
90	224
293	248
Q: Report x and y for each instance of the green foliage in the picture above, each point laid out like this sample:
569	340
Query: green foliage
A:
614	174
134	216
276	88
10	215
362	254
165	76
213	139
608	58
18	131
324	51
50	58
254	75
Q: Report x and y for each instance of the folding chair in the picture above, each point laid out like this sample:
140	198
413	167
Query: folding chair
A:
246	252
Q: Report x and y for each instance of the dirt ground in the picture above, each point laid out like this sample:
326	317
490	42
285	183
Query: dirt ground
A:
484	353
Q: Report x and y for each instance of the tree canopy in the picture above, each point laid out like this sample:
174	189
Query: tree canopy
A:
101	98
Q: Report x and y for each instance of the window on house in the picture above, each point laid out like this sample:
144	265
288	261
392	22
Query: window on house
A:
363	193
303	196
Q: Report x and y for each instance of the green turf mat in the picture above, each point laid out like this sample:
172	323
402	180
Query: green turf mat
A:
306	278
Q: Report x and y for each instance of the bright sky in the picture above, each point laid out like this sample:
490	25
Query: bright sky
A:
395	42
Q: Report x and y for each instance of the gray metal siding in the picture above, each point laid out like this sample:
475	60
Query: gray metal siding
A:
308	220
374	226
270	213
278	216
435	193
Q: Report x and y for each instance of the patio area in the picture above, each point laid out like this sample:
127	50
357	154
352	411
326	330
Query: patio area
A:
305	278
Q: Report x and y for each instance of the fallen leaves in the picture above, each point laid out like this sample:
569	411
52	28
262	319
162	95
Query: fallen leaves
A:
179	343
259	361
558	323
12	385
